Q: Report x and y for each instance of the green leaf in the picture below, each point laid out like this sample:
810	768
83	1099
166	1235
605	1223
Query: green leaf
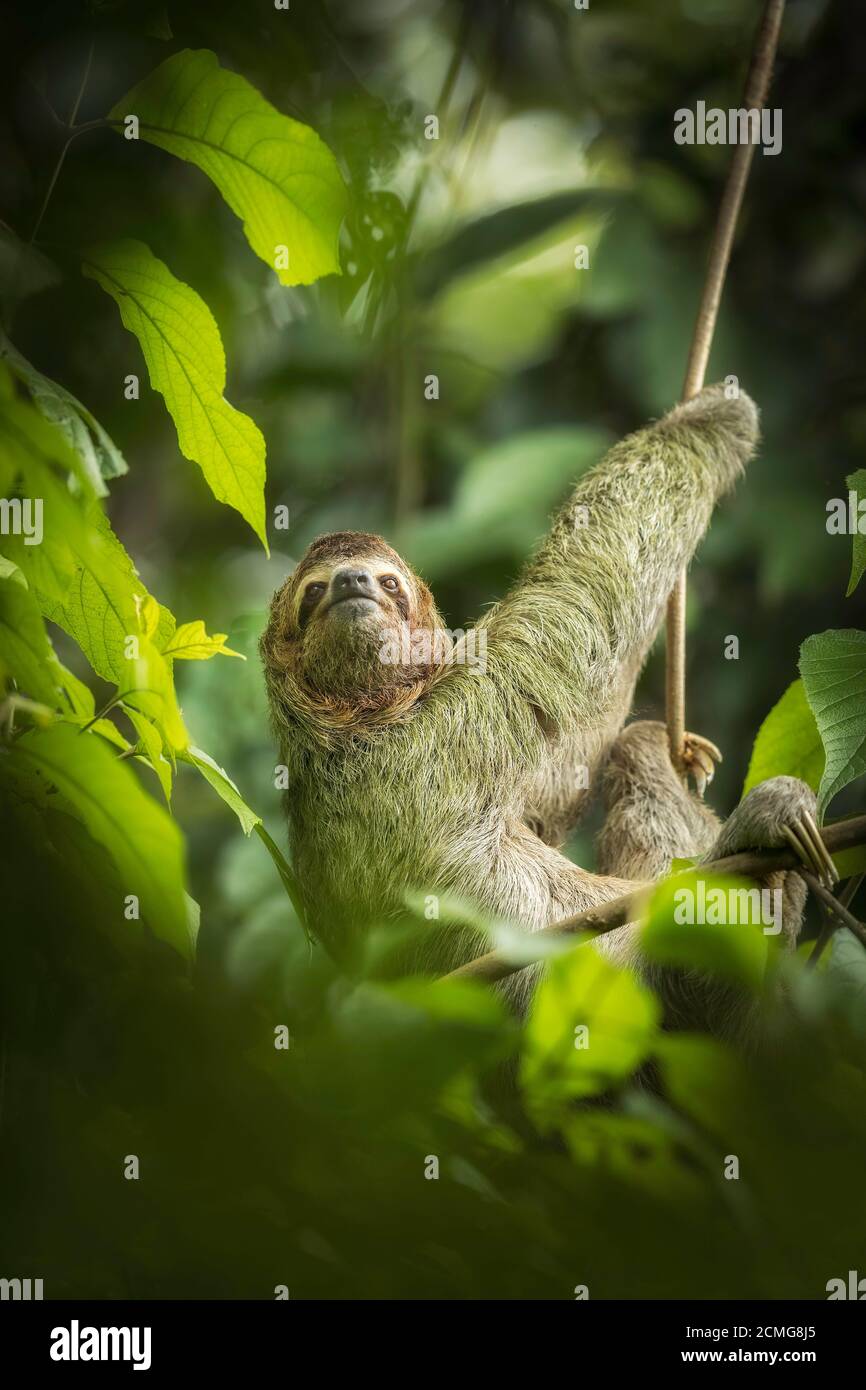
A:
788	743
98	607
225	788
186	363
26	653
704	923
34	455
857	483
151	742
190	642
502	232
146	684
9	570
110	731
100	457
287	877
833	667
582	989
274	173
137	833
706	1080
223	785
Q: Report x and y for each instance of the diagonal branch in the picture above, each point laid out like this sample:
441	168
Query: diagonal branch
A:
605	917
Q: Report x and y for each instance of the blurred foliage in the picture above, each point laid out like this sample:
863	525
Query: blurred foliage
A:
306	1166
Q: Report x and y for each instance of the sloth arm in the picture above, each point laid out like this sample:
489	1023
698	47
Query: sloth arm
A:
571	636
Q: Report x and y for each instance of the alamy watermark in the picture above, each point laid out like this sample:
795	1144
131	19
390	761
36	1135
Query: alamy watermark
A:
77	1343
737	126
22	516
729	907
434	647
21	1290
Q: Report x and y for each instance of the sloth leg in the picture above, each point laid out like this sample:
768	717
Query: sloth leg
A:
651	818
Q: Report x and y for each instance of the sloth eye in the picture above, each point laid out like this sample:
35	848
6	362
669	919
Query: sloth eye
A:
313	590
390	583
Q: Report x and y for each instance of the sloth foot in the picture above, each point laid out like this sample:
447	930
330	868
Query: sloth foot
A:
699	758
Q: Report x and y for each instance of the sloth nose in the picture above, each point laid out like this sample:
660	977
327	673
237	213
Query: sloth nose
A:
348	582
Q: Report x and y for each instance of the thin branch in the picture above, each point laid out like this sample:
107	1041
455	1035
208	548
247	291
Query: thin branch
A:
834	905
606	917
831	921
754	97
70	125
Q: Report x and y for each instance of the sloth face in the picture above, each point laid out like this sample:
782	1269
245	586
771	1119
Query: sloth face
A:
365	589
348	612
342	625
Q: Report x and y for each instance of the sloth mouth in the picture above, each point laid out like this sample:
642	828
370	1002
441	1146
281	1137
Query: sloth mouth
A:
359	602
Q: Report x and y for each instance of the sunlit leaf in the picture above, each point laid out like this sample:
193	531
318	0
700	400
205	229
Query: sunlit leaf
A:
147	685
151	741
788	743
274	173
190	642
98	605
590	1026
26	653
185	360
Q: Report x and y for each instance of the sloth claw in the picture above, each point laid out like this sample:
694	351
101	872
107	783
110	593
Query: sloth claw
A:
699	760
805	840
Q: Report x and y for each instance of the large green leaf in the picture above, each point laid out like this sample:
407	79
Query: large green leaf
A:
582	989
788	742
191	642
137	833
147	685
36	462
705	923
185	359
100	605
833	667
26	655
274	173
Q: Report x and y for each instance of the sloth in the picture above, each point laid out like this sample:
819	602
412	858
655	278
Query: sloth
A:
414	770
